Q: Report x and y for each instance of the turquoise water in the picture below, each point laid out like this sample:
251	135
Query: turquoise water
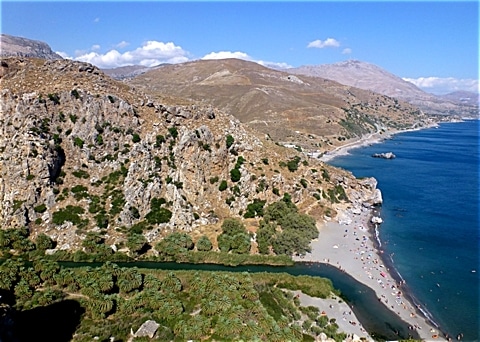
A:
431	217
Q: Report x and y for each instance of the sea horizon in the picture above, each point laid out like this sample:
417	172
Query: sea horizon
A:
430	213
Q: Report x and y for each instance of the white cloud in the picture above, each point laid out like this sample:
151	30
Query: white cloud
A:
274	65
320	44
149	54
95	47
63	54
347	51
122	44
227	54
439	85
246	57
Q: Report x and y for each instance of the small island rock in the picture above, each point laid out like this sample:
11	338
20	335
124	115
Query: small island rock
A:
386	155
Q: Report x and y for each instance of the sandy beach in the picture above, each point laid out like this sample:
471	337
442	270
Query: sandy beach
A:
351	247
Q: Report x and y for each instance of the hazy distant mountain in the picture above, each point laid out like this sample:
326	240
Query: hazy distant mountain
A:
371	77
129	71
124	72
463	97
23	47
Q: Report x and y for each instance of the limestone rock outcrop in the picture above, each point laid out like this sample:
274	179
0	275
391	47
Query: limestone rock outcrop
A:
82	152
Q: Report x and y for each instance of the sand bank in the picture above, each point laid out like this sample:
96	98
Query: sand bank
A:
336	308
351	247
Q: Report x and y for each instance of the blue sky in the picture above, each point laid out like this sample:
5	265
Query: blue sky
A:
433	44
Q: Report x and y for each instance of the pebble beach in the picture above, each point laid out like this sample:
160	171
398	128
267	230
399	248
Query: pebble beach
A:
352	247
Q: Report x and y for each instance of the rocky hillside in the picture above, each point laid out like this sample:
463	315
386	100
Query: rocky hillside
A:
371	77
82	152
309	112
23	47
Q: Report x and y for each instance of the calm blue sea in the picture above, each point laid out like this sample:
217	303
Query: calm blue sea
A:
431	217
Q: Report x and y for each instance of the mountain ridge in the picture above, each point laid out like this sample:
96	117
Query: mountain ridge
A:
309	112
371	77
24	47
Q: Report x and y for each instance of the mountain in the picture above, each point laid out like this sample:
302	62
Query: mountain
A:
84	153
309	112
126	72
463	97
23	47
371	77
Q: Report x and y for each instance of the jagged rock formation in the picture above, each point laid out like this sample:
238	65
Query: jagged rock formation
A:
371	77
23	47
82	152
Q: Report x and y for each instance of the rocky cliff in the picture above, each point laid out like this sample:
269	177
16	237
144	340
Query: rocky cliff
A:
23	47
82	152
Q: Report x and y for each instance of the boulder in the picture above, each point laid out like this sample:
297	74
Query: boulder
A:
149	328
385	155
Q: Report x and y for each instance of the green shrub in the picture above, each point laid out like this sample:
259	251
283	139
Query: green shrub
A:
135	138
40	208
70	213
158	214
73	118
173	132
75	94
235	175
44	242
99	139
81	174
78	142
255	208
54	98
292	164
204	244
229	141
223	185
159	140
213	180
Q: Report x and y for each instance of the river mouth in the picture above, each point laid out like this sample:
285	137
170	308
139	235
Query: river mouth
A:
375	317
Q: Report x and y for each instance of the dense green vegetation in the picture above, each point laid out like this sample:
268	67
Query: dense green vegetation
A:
110	301
284	230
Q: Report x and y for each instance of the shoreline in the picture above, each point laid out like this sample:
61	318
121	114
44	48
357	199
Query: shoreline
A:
354	248
370	139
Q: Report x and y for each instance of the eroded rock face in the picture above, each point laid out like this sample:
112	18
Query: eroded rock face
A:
72	139
23	47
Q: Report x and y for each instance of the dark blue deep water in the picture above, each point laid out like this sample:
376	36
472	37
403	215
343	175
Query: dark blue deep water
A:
431	217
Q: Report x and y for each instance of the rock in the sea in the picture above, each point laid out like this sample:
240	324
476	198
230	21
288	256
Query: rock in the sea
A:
385	155
376	220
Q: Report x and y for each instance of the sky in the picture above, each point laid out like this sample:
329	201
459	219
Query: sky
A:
431	44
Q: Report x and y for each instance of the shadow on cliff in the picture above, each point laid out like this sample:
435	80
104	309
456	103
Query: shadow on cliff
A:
54	323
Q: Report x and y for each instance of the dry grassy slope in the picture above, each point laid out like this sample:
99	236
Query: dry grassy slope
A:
302	110
66	136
